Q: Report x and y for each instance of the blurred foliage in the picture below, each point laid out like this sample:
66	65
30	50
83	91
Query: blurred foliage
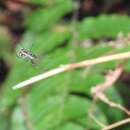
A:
61	102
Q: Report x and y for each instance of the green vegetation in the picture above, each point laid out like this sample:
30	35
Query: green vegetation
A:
61	102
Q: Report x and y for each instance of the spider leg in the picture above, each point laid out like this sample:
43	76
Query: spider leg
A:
33	61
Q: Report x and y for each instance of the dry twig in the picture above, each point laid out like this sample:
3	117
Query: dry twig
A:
98	93
110	79
95	119
68	67
103	98
117	124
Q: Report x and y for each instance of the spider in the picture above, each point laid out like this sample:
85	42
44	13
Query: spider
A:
25	54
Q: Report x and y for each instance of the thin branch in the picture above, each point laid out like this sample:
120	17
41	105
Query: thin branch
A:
110	79
117	124
90	113
104	99
68	67
98	93
98	90
74	21
96	120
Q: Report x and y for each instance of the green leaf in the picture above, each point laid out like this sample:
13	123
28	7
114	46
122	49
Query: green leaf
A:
58	110
70	126
45	18
103	26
